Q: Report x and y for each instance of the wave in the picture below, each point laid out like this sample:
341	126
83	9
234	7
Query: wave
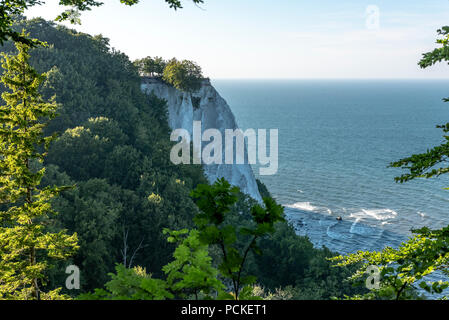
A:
307	206
377	214
333	231
365	230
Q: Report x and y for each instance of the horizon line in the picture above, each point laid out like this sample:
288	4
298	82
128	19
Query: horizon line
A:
359	79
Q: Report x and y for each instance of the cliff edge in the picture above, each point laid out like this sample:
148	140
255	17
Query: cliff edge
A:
213	112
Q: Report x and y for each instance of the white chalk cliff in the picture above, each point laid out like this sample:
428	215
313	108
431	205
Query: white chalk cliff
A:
214	113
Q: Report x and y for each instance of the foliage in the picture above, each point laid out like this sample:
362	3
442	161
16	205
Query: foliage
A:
289	260
402	269
130	284
214	203
196	101
114	148
290	265
25	244
191	273
287	293
149	66
431	163
12	8
263	190
184	75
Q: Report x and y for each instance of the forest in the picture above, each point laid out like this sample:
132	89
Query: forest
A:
134	214
92	208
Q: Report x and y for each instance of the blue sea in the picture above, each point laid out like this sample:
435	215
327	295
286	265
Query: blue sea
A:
336	139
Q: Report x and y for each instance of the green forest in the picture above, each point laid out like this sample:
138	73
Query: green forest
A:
92	208
144	227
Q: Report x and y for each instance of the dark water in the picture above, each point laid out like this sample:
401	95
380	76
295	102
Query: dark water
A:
336	139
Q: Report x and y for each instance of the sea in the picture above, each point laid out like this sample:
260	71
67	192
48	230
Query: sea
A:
336	139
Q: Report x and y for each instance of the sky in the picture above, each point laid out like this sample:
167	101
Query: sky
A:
271	39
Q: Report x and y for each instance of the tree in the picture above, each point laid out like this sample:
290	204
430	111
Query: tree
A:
25	244
106	113
113	148
184	75
151	66
130	284
398	271
215	202
430	163
9	9
191	273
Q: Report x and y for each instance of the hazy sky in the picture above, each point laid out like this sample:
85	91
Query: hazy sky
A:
276	38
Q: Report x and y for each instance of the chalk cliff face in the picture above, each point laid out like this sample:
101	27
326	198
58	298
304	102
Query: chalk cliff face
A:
214	113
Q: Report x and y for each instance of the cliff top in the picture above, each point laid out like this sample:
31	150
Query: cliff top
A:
156	80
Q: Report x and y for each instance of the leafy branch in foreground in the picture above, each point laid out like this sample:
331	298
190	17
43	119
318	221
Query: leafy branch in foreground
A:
403	269
25	245
215	202
191	273
430	163
130	284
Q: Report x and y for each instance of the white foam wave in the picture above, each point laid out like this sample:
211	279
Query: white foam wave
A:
307	206
377	214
